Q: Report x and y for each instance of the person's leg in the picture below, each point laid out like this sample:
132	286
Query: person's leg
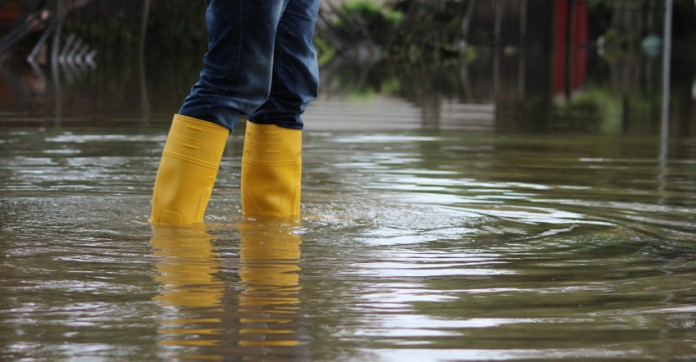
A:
236	78
238	66
295	81
272	159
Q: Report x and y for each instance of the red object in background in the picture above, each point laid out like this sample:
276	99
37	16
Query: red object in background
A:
8	13
570	74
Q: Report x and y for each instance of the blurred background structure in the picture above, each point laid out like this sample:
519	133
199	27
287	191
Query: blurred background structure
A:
584	65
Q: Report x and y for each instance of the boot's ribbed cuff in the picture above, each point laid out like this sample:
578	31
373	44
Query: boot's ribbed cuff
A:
199	129
196	141
272	145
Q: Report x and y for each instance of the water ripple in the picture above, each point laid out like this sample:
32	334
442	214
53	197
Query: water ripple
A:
412	246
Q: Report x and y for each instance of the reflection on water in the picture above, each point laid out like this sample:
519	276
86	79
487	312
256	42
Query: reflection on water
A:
269	274
499	90
195	298
415	245
187	266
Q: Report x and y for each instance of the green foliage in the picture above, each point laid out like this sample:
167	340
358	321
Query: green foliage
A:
373	12
470	54
394	18
606	109
390	85
365	8
360	16
325	52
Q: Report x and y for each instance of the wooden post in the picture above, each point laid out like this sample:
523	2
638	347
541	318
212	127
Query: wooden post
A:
466	23
666	70
498	21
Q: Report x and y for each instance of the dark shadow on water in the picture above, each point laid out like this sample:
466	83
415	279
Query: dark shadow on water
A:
501	90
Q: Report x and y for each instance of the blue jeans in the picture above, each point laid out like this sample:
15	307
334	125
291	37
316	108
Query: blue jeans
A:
260	62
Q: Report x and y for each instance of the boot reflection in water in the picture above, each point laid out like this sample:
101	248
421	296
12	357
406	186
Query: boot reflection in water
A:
269	273
269	277
187	265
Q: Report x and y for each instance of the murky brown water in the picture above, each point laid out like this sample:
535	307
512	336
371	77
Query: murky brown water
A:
413	245
450	212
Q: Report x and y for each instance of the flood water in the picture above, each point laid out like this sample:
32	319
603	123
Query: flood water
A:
449	222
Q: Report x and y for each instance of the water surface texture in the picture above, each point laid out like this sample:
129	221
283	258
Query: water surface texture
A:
413	245
462	210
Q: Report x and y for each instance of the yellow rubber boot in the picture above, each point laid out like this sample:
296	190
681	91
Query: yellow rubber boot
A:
187	171
271	171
